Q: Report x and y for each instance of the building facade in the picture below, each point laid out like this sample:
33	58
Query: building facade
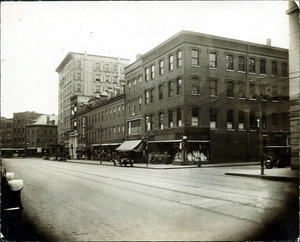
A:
88	76
198	96
294	77
6	136
100	128
41	136
20	120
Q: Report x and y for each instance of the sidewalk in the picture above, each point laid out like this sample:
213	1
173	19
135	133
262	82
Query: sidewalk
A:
276	174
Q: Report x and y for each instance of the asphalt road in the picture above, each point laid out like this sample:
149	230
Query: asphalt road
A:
84	202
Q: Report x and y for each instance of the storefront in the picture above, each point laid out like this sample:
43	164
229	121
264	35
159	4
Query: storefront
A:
178	152
104	152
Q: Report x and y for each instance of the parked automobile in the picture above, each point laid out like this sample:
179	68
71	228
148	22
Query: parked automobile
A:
277	156
125	158
11	205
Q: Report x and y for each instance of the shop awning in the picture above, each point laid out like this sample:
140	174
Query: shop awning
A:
165	141
6	148
111	144
198	141
31	148
129	145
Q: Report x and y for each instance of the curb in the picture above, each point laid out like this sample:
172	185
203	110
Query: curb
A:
272	178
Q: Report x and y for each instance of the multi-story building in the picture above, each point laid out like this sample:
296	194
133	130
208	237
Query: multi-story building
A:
41	136
294	77
19	124
100	128
6	136
85	75
211	97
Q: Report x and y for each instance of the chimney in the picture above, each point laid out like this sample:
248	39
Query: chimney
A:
269	42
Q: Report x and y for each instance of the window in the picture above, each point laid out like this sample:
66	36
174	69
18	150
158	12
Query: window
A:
241	120
161	120
274	68
152	72
179	120
170	89
97	88
241	91
284	120
106	78
147	74
79	76
229	119
252	92
151	95
213	118
179	58
241	63
213	87
230	89
160	92
251	65
115	68
263	92
195	57
275	119
262	65
284	69
264	120
195	116
252	121
171	63
195	85
78	87
161	67
275	93
129	86
134	85
147	123
213	60
140	102
229	62
170	118
146	97
97	78
98	67
106	67
178	86
79	64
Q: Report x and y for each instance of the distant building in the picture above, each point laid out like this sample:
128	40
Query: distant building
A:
41	136
19	124
294	77
85	75
6	136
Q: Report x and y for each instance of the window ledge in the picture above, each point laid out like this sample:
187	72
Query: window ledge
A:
230	130
195	94
195	65
214	96
229	70
242	130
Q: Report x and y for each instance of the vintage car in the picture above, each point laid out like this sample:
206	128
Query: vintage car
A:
277	156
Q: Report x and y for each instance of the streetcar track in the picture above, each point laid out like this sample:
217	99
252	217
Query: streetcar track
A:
166	189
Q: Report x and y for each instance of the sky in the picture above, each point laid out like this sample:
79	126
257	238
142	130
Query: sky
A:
36	36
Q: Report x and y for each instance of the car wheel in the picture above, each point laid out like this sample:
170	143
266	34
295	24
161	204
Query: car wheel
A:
269	162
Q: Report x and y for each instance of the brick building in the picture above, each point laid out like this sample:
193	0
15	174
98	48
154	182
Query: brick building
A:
20	120
6	136
100	127
207	96
41	136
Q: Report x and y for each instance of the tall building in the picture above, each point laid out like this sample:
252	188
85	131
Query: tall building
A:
294	76
216	98
84	76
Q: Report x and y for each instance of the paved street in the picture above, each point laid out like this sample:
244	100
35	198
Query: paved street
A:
75	201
